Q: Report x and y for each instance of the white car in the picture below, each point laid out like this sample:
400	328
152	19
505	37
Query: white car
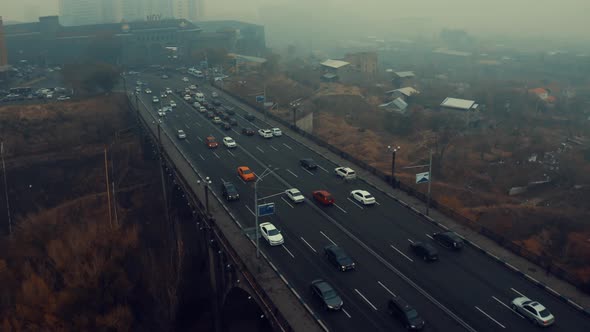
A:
271	234
172	103
166	109
161	113
187	97
202	109
193	87
181	134
155	100
266	133
229	142
137	89
196	105
62	98
533	310
363	197
277	132
346	173
148	91
214	94
216	120
168	90
185	79
163	95
295	195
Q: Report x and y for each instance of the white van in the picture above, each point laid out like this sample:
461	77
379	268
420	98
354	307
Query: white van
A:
200	97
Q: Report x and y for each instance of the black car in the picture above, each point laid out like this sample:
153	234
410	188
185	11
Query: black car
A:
425	250
209	107
328	295
339	258
233	121
224	116
308	163
249	117
248	131
229	110
225	125
449	240
216	102
230	193
210	115
404	312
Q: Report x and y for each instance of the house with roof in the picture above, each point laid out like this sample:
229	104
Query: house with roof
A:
334	70
402	78
459	104
397	105
543	94
404	93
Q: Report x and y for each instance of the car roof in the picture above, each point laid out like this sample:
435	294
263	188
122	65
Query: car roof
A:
322	285
364	192
401	303
227	138
243	167
268	225
293	189
452	235
323	192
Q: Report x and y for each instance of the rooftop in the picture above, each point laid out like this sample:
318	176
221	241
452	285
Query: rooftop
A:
407	91
462	104
405	74
334	63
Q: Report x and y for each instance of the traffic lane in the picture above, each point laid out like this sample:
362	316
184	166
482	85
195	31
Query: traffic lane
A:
303	269
370	276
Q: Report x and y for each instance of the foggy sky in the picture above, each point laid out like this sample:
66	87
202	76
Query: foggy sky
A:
527	18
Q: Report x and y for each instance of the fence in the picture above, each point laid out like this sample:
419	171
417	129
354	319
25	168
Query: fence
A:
542	261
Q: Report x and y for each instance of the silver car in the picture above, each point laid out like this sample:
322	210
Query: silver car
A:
533	310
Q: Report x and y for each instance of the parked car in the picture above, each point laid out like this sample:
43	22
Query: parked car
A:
295	195
229	191
533	310
425	250
271	234
346	173
308	164
248	131
405	313
246	174
449	239
211	142
362	196
338	257
323	197
323	291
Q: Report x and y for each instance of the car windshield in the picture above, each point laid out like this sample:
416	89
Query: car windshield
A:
544	313
247	171
412	314
295	192
273	232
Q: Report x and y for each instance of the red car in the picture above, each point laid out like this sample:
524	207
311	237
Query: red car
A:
323	197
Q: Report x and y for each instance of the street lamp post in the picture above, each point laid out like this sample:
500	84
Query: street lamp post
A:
393	152
259	178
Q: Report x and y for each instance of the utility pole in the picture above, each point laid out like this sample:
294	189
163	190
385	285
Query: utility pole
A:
264	174
6	189
393	152
429	183
264	103
106	171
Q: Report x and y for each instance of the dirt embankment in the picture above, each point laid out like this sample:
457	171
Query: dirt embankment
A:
73	264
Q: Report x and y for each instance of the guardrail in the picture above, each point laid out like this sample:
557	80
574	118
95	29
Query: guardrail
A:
542	261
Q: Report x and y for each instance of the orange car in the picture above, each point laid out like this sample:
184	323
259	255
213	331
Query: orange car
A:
211	142
246	173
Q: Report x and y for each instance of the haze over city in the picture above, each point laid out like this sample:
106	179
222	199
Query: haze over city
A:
563	20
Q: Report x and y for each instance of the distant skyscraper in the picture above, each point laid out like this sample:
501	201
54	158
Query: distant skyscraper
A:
188	9
3	56
132	10
83	12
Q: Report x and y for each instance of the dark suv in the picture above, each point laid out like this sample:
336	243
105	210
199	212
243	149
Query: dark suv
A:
230	193
449	240
339	258
404	312
425	250
308	163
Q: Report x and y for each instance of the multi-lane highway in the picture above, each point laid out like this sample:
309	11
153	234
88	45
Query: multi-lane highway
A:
463	291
